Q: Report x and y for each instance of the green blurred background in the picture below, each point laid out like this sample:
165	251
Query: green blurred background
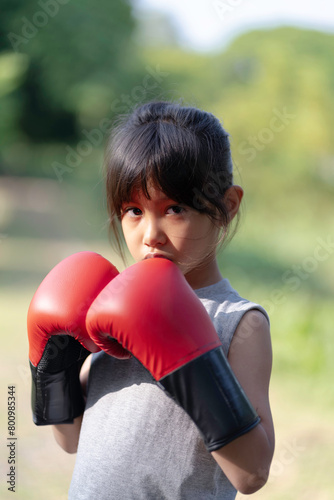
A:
67	69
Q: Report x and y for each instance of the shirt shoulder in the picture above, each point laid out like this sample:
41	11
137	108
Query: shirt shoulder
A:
226	308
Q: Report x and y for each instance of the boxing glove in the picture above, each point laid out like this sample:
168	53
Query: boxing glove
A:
58	339
158	318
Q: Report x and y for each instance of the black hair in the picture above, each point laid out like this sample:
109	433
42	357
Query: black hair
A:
183	151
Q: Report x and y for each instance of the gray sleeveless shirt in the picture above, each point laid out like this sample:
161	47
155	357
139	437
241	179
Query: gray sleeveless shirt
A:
135	442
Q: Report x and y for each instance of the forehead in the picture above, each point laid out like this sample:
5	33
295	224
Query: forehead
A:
154	194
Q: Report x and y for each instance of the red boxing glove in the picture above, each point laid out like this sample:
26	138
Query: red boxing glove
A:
152	311
58	339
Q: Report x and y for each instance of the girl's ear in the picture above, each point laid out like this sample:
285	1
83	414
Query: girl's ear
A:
232	199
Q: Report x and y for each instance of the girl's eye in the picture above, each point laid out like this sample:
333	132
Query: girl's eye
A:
175	210
132	211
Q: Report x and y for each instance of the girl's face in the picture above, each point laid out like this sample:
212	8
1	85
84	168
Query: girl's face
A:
160	227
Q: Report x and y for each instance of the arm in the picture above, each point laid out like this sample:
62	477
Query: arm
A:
246	460
59	342
184	354
67	435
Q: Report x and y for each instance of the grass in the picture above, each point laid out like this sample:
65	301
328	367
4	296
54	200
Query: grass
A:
303	416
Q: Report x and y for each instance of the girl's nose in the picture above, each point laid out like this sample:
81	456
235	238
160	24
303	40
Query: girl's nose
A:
154	234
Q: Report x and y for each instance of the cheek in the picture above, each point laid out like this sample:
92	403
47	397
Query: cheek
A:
130	238
127	233
202	229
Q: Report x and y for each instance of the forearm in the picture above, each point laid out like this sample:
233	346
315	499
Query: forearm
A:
67	435
246	460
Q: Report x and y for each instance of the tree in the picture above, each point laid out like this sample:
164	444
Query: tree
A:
78	55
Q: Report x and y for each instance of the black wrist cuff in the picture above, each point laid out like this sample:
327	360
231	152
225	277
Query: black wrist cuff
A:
209	392
56	398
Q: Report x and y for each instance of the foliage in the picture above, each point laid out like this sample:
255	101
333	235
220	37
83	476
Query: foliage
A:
63	64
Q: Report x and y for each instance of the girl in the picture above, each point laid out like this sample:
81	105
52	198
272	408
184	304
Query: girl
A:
170	191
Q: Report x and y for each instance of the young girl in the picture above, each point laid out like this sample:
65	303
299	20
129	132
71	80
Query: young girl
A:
170	191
